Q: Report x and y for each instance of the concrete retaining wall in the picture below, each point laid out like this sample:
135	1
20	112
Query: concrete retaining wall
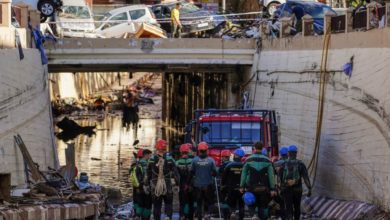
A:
354	157
24	110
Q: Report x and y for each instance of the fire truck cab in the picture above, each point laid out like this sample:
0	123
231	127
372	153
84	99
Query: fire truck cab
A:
232	129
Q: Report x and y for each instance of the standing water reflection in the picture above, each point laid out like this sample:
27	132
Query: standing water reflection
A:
107	155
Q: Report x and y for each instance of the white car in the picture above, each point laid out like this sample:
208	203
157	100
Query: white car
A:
46	7
75	20
120	21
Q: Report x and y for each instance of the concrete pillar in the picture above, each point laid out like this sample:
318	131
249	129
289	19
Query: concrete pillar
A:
327	22
348	20
23	16
369	14
5	13
387	13
284	27
35	18
307	25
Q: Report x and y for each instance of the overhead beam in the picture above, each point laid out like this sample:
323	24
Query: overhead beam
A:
145	68
144	54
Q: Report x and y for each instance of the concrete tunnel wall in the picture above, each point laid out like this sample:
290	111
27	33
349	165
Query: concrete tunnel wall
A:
24	110
354	157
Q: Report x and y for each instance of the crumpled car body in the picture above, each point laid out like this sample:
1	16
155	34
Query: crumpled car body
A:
315	9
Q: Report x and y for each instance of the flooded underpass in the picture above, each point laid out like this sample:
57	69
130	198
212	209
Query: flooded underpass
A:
106	156
107	153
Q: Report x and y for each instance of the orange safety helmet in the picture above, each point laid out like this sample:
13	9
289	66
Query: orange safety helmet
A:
203	146
161	144
140	153
225	153
185	148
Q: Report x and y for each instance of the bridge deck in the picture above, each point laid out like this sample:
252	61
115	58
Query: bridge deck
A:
77	55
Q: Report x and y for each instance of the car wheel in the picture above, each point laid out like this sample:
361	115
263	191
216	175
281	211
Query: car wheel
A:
46	7
271	7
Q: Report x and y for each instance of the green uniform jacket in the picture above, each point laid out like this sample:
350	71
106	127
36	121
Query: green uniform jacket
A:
258	162
184	167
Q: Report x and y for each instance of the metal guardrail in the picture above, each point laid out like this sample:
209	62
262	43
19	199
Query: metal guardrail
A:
373	16
341	23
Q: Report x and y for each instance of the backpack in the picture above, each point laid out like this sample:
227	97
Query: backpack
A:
133	176
291	172
258	180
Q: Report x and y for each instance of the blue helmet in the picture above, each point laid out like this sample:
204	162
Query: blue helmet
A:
249	198
239	152
283	151
264	152
293	148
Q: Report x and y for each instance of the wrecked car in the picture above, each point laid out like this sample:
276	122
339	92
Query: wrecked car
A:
315	9
192	17
129	19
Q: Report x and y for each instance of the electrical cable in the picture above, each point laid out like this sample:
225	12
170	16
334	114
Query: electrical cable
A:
321	101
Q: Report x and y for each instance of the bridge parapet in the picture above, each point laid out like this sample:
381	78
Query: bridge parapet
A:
127	53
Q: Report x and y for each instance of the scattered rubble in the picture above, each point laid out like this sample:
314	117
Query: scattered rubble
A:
236	30
53	193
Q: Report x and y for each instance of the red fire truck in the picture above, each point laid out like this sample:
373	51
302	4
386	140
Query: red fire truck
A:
231	129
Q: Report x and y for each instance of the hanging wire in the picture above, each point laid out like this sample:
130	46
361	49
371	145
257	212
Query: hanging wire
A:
321	101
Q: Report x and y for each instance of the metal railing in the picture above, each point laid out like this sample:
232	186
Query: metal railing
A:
374	15
370	18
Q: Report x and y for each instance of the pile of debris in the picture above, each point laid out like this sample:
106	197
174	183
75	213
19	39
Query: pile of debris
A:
54	193
239	30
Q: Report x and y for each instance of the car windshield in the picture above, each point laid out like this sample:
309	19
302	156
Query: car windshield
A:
75	12
230	132
106	16
186	8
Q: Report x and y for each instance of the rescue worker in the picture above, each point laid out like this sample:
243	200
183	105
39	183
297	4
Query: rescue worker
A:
144	208
204	171
230	182
293	172
258	178
278	165
161	176
283	152
175	21
135	172
225	159
185	194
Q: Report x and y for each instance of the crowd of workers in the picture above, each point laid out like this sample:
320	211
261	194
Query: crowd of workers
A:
267	188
